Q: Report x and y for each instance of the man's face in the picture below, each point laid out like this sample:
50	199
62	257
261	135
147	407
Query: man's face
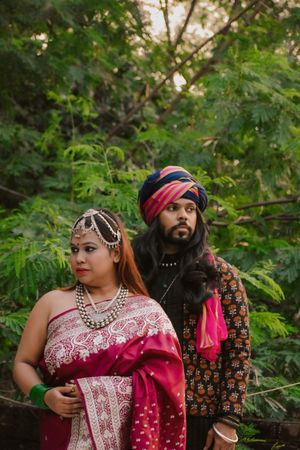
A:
178	222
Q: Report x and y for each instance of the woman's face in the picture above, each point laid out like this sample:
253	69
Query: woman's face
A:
92	262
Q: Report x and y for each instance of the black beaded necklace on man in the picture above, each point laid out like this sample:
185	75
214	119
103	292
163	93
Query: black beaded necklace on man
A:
166	289
169	269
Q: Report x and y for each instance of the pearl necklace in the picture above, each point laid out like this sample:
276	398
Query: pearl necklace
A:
109	303
86	318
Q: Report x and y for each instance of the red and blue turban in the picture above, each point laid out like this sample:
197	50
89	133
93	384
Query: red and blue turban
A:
165	186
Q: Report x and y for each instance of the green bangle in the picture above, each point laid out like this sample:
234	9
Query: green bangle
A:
37	393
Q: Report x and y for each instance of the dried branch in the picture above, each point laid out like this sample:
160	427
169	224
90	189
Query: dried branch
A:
156	88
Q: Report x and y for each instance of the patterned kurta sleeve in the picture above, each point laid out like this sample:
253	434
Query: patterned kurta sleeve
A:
236	349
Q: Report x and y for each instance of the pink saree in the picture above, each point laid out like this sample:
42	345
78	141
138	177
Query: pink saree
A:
130	376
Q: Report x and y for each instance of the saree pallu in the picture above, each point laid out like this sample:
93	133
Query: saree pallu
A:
130	376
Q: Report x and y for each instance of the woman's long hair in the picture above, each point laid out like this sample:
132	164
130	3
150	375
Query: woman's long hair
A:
126	268
197	273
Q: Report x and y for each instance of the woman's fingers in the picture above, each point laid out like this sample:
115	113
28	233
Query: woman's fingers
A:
59	401
73	390
70	411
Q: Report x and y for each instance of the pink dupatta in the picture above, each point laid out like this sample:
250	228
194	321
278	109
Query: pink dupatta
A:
211	328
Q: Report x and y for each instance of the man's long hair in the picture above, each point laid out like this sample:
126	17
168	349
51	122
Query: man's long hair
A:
197	273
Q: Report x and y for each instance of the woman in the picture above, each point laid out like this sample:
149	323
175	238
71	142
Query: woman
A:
112	376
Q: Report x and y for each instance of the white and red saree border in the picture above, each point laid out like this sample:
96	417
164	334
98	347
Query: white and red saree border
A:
131	378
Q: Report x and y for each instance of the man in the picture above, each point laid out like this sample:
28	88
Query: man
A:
205	300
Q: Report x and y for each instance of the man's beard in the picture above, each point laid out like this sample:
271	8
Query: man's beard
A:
180	241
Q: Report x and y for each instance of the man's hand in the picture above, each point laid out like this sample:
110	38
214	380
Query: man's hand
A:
215	442
64	401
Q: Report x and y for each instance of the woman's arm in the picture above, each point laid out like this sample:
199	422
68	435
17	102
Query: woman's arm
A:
60	399
31	346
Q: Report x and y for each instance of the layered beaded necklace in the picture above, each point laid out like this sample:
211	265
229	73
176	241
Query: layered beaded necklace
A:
119	301
110	303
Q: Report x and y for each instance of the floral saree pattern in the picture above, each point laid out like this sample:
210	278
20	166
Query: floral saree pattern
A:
130	376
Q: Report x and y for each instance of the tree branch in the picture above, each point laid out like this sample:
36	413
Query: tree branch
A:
276	201
208	66
235	5
156	88
248	219
165	10
186	22
14	193
16	402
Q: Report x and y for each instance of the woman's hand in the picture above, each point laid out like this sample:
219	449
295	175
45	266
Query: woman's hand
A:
215	442
64	401
74	391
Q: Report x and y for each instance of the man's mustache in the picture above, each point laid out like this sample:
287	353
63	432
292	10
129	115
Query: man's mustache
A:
180	225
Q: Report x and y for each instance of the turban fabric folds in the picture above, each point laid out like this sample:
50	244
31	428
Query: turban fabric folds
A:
165	186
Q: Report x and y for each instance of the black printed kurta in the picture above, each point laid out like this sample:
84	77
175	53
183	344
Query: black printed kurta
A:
214	388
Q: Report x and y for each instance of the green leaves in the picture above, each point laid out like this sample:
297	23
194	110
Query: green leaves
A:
70	72
277	356
14	321
266	324
263	282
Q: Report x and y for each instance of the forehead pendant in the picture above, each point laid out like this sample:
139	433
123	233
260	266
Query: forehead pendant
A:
81	226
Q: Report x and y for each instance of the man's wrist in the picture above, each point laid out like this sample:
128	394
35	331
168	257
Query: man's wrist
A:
230	420
225	432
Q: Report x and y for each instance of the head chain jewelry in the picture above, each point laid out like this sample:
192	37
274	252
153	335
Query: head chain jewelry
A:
80	225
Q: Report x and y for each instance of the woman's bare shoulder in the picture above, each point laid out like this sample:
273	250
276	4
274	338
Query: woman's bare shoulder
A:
56	301
56	294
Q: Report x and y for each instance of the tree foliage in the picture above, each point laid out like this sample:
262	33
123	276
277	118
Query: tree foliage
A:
91	104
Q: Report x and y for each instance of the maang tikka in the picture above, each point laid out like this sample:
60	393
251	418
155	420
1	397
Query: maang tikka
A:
81	225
